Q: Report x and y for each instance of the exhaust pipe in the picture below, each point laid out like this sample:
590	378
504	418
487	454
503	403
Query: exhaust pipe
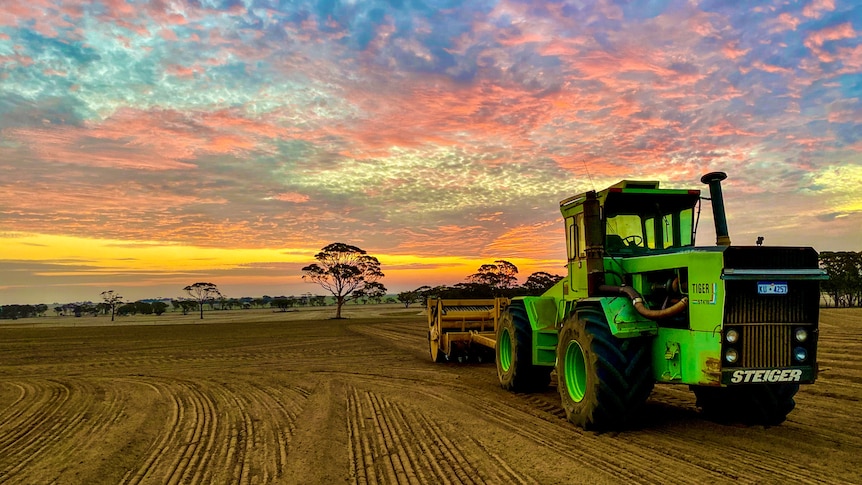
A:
713	179
638	302
595	244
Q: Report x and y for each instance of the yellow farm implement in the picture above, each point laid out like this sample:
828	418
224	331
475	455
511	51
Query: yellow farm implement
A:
459	329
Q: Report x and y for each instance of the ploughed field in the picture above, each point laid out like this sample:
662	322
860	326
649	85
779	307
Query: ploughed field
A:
261	397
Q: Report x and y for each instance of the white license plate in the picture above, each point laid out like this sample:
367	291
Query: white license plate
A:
771	288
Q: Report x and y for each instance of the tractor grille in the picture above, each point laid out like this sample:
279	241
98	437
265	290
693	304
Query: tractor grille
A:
743	305
766	323
766	346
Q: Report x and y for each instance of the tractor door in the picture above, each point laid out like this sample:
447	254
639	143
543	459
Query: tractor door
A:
577	256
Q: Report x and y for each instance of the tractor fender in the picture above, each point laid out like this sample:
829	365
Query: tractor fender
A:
623	318
541	310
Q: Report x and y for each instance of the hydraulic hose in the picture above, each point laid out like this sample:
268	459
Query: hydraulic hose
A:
638	302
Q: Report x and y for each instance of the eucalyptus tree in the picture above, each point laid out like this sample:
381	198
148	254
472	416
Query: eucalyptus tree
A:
499	276
202	293
342	270
111	300
539	282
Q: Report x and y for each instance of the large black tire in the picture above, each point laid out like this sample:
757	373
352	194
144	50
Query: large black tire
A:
757	404
603	381
514	353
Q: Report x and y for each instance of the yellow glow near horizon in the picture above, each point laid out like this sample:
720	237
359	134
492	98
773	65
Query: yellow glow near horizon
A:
842	183
106	256
138	255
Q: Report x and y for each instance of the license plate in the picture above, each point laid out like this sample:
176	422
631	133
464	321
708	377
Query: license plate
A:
771	288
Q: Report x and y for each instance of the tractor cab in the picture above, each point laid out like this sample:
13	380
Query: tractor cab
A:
629	219
642	219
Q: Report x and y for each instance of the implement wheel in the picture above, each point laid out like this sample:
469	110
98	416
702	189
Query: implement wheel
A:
434	335
514	357
437	355
764	404
603	380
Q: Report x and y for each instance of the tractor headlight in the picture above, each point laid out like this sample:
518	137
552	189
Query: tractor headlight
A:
731	336
731	356
800	354
801	335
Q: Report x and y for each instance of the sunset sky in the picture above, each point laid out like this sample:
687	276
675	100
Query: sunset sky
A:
146	146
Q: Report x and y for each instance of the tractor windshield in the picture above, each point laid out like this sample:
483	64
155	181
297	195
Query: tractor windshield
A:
640	221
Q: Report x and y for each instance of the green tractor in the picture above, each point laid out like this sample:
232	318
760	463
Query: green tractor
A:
642	305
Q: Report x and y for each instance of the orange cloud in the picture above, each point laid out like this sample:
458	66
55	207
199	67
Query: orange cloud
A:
292	197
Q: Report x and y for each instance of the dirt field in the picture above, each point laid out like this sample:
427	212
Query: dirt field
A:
262	397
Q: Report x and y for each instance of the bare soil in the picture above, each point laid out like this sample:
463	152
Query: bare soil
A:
263	397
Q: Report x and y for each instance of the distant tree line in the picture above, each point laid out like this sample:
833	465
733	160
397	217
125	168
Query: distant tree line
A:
497	279
844	269
14	312
113	304
283	303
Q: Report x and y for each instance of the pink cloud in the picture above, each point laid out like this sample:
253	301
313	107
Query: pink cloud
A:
168	34
851	59
732	51
771	68
782	22
119	8
845	115
837	32
71	145
816	39
184	71
24	61
816	8
154	140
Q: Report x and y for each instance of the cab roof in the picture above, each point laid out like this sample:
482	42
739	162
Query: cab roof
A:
644	188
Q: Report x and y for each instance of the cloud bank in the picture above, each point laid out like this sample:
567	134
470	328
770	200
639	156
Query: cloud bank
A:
420	130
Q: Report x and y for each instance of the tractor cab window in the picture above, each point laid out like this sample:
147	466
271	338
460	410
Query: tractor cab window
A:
624	231
575	236
638	222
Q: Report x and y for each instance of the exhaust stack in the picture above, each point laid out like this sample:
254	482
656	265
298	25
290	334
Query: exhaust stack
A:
595	244
713	179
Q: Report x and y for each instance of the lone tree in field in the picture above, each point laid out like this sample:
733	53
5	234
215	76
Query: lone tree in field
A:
111	301
202	293
342	269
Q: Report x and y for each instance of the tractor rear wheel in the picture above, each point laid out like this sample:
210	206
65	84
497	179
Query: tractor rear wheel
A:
603	380
764	404
514	351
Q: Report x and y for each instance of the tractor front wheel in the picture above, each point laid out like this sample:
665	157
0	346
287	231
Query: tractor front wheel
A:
514	351
763	404
603	380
